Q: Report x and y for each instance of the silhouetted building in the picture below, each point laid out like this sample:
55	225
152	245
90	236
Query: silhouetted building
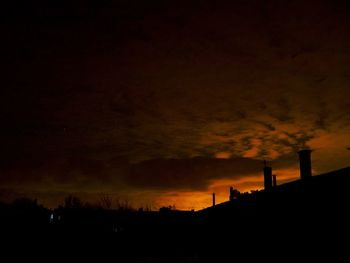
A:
305	164
267	177
213	199
234	194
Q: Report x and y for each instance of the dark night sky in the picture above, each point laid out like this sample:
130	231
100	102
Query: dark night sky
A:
164	102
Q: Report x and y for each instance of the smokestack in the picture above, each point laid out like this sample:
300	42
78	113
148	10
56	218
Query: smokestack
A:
267	177
274	181
213	199
231	194
305	164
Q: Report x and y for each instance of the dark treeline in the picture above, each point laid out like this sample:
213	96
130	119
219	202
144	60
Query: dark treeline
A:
84	230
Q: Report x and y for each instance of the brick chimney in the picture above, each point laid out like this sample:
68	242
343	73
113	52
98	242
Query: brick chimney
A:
305	164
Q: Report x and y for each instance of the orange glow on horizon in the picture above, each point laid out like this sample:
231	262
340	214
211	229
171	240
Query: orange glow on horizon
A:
198	200
222	155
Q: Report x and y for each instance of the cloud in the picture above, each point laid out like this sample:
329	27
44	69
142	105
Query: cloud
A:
89	104
189	174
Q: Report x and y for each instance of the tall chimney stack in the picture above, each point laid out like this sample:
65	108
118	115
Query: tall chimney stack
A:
213	199
274	181
267	177
305	164
232	195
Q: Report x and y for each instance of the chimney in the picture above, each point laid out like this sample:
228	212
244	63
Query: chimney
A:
274	181
232	195
213	199
267	177
305	164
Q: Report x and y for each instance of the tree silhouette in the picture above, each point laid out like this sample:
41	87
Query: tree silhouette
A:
123	205
72	202
105	201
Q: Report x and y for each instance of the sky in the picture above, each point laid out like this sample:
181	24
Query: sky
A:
165	102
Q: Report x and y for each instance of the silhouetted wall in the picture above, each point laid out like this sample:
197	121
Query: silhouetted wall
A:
305	164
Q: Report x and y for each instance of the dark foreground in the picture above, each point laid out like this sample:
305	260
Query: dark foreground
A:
300	221
210	245
203	238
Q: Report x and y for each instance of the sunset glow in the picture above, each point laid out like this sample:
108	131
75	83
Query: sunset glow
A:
165	103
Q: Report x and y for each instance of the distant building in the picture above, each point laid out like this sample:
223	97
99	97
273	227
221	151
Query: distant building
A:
234	193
